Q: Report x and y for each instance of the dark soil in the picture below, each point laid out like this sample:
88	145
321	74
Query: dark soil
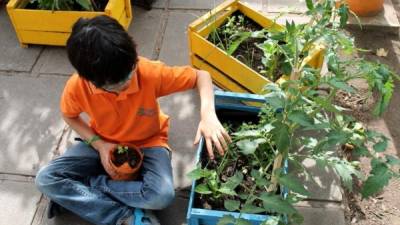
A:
99	5
248	52
129	156
383	208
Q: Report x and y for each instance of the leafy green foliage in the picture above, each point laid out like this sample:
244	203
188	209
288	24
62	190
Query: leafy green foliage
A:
380	176
275	203
293	184
66	5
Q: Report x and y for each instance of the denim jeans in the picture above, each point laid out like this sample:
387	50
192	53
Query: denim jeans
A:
77	181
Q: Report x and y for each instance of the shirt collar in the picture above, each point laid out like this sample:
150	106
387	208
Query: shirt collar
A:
133	87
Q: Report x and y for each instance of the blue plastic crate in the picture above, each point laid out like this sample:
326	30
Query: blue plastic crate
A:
198	216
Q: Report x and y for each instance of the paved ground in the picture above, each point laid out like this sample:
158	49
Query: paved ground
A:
32	132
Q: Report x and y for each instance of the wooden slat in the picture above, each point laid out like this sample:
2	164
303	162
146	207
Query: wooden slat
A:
216	21
195	25
220	79
42	37
46	20
238	71
258	17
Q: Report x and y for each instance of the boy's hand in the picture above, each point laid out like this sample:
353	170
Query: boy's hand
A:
104	149
214	134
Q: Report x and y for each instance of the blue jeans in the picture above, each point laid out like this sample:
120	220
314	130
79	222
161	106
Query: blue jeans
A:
78	182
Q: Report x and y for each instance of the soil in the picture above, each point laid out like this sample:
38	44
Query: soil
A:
384	208
100	5
129	156
359	104
248	52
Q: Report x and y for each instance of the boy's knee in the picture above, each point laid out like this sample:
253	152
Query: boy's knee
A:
161	197
44	178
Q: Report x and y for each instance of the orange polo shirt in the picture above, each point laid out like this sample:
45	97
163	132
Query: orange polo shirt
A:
134	115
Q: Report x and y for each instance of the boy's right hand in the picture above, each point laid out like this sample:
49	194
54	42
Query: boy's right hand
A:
104	148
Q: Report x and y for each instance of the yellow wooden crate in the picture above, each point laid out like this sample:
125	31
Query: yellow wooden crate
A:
228	72
54	27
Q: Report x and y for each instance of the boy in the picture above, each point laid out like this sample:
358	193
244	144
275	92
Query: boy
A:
119	91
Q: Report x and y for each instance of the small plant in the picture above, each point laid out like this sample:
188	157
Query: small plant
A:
68	5
251	44
301	120
122	149
123	154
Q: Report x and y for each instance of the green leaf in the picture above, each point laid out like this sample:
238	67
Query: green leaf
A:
235	44
281	137
275	203
226	220
276	97
231	205
293	184
234	180
381	146
199	173
343	14
243	196
301	118
227	190
360	151
260	181
392	160
341	85
242	221
248	133
377	181
202	189
337	137
345	170
310	4
272	220
297	218
249	208
248	147
86	4
267	128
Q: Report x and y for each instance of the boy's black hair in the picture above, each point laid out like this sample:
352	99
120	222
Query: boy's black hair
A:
101	50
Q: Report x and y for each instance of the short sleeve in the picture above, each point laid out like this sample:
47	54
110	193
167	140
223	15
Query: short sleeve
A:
69	103
175	79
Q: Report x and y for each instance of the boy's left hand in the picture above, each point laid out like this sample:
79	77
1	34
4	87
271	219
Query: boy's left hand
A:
214	134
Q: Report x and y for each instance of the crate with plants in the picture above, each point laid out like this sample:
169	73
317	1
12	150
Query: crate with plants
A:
243	49
49	22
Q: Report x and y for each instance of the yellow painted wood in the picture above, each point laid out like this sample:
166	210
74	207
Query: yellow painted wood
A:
228	64
195	25
45	20
229	68
219	78
115	8
55	26
259	18
316	57
214	22
44	38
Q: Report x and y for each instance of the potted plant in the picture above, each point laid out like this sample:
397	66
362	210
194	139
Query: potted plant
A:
300	120
50	22
241	178
126	161
236	44
365	8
